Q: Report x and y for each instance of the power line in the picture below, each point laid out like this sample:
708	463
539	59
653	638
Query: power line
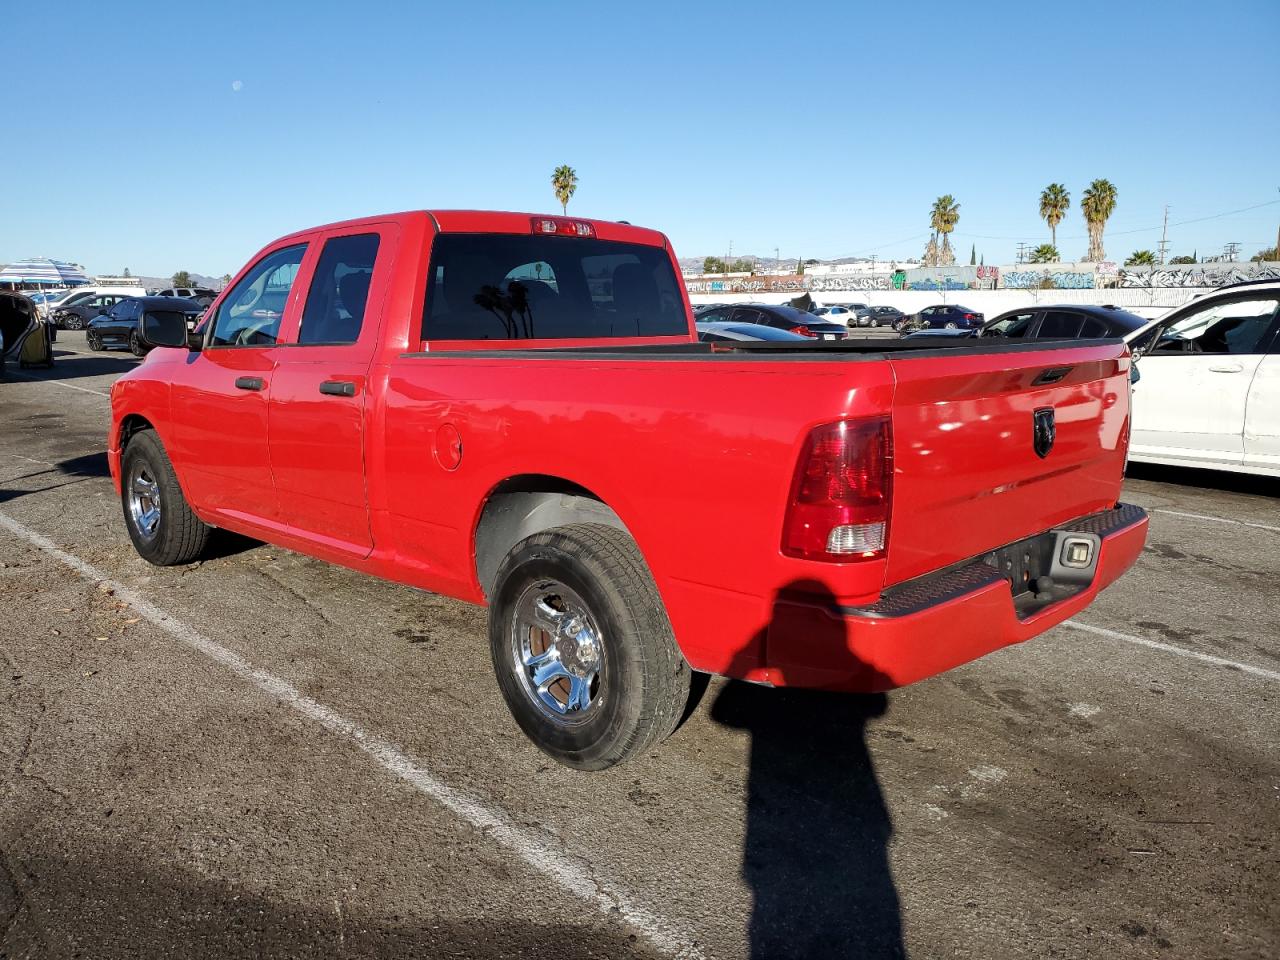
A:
1123	233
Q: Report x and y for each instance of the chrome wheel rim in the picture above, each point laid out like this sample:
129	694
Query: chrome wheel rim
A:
557	651
144	501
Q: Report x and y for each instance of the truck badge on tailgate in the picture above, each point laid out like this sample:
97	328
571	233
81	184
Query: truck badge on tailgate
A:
1045	431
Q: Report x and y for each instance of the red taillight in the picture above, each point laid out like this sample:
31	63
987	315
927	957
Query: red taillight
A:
559	226
971	316
803	331
839	507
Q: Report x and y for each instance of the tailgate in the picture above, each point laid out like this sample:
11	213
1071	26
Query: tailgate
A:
967	474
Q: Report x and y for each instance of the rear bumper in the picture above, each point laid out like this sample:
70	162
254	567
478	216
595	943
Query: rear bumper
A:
929	625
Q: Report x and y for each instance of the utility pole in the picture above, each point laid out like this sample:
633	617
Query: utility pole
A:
1022	251
1230	251
1164	234
777	259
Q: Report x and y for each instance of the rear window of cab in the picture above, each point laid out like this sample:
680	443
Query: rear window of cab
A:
488	286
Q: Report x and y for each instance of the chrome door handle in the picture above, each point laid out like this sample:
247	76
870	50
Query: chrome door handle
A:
1226	368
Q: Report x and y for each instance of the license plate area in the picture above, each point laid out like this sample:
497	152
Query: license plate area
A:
1046	568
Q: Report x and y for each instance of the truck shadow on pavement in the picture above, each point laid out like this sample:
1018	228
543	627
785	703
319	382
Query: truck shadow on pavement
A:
72	366
114	905
816	853
1226	480
91	466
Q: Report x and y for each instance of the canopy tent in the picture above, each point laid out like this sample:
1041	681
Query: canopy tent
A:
41	271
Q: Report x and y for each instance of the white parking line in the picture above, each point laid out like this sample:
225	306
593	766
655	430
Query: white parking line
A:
1178	651
56	383
1205	516
573	875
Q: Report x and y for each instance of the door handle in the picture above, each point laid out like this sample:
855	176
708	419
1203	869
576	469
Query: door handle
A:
1226	368
338	388
248	383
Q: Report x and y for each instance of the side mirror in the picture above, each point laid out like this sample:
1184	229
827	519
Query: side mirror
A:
164	328
1134	373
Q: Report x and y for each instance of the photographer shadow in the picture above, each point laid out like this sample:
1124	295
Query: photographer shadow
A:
816	851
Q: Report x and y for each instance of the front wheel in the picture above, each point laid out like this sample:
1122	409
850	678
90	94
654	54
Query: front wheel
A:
136	346
73	322
163	528
582	648
93	340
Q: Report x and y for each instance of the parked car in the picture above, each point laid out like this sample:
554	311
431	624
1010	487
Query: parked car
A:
1078	321
885	316
76	316
782	317
77	295
120	325
944	316
24	338
1082	321
513	444
722	331
1209	393
700	308
851	315
202	295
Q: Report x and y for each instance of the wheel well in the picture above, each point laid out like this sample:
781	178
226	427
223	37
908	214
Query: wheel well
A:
522	506
132	424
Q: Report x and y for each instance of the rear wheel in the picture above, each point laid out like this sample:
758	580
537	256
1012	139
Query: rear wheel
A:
163	528
582	648
136	346
951	325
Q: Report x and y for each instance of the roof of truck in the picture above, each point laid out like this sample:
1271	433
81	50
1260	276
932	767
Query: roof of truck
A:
498	221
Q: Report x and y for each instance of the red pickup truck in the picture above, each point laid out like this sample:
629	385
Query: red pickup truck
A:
514	410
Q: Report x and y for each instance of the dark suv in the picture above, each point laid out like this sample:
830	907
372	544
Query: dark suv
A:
78	315
945	316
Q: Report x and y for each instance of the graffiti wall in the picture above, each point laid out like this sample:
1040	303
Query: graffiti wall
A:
1197	274
1022	279
1065	276
787	284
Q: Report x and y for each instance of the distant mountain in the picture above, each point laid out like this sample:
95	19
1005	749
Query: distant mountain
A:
197	280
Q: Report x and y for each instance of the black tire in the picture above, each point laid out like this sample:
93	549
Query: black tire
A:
74	322
179	536
643	680
136	346
93	341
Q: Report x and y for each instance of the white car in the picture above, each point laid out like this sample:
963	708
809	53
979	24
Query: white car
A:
1208	391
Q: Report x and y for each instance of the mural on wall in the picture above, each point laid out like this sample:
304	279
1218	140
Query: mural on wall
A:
1034	279
1062	277
787	284
1197	275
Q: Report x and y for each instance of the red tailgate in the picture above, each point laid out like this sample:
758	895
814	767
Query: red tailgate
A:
967	477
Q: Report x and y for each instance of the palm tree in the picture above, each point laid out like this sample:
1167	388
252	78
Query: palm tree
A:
564	180
1054	204
1045	253
943	219
1141	258
1098	203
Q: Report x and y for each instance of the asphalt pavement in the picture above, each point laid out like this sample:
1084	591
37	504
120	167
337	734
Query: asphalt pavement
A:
265	755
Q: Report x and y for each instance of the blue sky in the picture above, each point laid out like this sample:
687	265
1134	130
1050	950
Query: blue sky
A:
186	139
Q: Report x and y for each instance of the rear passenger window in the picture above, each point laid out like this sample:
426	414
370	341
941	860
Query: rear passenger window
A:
1094	329
1060	323
339	290
250	314
515	287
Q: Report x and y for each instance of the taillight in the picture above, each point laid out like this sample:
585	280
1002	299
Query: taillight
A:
839	506
559	226
803	331
971	316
